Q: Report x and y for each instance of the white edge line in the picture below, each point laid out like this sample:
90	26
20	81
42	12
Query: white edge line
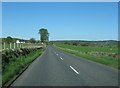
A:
74	70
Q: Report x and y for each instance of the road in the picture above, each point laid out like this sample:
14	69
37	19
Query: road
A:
57	68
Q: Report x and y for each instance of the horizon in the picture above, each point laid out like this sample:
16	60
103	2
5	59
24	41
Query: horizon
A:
67	40
64	20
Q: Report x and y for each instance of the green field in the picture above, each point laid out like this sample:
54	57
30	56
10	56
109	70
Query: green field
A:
104	55
90	48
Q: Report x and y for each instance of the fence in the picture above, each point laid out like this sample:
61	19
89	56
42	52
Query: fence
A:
5	46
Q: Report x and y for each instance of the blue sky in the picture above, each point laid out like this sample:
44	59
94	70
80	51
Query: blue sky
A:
64	21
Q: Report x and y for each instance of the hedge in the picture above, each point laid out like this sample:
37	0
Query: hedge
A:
11	55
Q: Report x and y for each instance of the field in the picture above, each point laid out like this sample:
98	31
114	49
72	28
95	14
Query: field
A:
90	48
107	55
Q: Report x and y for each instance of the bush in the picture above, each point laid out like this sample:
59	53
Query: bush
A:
75	44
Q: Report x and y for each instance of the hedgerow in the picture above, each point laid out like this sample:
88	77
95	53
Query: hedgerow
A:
16	60
12	55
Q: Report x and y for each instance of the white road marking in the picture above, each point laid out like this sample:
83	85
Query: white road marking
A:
74	70
61	58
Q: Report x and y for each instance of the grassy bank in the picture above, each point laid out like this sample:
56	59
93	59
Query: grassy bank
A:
104	55
14	67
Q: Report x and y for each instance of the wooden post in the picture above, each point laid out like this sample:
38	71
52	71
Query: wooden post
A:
14	45
17	45
10	46
20	45
4	45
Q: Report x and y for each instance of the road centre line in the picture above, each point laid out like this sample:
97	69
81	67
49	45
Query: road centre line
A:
74	70
61	58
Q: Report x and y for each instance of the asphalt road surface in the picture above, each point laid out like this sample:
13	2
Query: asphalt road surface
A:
57	68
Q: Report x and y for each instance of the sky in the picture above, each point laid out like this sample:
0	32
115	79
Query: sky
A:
60	0
64	20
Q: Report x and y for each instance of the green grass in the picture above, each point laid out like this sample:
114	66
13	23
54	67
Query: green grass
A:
14	67
106	60
0	46
90	48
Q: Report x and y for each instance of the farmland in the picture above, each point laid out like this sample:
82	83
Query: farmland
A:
107	54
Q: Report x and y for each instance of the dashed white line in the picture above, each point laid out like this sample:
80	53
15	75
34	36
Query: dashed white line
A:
61	58
74	70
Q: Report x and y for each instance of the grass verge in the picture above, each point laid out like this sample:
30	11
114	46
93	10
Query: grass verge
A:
109	61
14	67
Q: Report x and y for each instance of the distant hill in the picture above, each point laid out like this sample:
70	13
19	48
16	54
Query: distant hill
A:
84	41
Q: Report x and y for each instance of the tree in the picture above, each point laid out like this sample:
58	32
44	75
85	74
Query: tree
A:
32	40
9	39
74	43
44	35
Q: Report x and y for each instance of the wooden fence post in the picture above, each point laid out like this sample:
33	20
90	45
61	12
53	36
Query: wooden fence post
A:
14	45
20	45
10	45
4	45
17	45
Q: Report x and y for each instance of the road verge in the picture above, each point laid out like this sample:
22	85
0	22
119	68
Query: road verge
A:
8	79
99	59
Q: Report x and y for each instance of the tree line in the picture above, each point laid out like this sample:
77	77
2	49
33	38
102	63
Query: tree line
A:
9	39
